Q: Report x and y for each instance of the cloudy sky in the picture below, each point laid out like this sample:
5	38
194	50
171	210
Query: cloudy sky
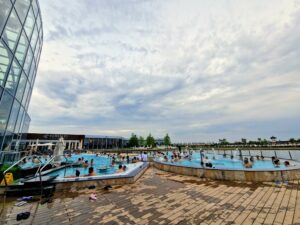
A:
198	70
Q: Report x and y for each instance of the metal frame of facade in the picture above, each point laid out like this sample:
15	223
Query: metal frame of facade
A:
22	55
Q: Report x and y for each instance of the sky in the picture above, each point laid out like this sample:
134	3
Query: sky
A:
197	70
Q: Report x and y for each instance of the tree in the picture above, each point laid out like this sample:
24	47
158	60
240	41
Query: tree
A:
273	138
141	141
292	140
167	140
133	141
265	142
244	141
150	141
223	141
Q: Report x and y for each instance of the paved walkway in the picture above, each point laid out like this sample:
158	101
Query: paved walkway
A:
164	198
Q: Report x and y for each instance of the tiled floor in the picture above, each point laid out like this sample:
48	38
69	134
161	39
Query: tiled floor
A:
164	198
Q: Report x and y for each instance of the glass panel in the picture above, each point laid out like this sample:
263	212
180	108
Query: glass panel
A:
28	61
13	78
5	105
21	87
26	124
29	23
13	116
12	31
32	69
4	10
34	38
22	122
37	50
25	93
21	7
1	137
22	48
283	154
28	100
295	154
39	22
7	141
20	116
35	7
5	59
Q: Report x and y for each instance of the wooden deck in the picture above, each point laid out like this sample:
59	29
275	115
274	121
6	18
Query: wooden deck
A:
164	198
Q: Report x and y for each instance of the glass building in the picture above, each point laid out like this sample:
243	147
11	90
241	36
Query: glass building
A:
21	38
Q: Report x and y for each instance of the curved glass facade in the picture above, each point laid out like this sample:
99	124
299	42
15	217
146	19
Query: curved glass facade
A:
21	38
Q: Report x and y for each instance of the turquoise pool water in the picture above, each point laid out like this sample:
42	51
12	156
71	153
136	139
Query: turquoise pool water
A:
219	162
29	164
101	164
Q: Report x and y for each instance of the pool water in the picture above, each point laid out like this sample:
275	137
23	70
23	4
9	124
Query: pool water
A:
29	164
99	163
226	163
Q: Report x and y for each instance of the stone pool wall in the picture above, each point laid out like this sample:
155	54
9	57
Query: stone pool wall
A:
232	175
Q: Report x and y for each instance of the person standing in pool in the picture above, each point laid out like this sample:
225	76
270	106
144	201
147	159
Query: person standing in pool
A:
91	172
120	170
85	164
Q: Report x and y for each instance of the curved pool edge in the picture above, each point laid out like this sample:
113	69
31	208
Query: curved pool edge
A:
101	181
231	174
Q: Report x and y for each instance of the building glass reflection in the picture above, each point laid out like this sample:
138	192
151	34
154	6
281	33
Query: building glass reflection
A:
21	38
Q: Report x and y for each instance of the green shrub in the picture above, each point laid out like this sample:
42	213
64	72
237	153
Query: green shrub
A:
16	171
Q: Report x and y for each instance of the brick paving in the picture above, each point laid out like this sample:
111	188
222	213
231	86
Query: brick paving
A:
164	198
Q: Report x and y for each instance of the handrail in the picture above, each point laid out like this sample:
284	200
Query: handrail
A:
9	168
5	182
42	167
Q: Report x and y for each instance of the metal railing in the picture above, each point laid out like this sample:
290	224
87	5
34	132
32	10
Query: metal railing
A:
4	178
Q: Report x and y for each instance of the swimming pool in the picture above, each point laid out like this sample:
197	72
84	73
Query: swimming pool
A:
221	162
225	168
71	171
29	164
102	165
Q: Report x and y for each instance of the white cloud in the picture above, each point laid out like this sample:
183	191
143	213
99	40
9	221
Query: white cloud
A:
191	68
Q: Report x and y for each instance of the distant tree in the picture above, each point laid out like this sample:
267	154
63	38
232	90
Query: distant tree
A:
264	142
244	141
223	141
141	141
273	138
133	141
167	140
150	141
292	140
